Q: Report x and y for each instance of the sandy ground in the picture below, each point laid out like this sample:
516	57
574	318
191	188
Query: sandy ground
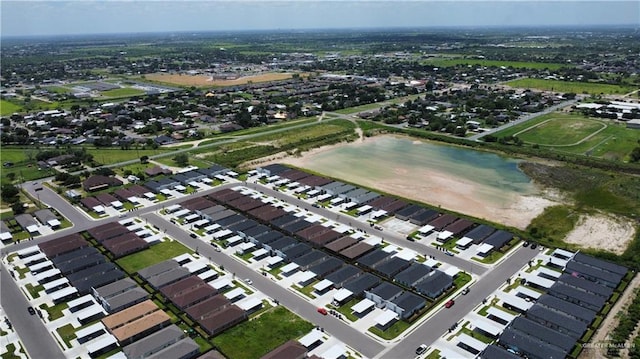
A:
193	143
438	189
608	324
602	232
204	80
172	168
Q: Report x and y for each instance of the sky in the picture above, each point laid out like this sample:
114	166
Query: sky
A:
53	17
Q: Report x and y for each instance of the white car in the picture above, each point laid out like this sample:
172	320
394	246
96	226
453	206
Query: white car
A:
248	281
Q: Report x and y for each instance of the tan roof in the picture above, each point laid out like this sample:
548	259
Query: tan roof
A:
140	325
124	316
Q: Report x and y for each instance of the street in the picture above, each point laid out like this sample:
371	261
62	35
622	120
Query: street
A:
430	330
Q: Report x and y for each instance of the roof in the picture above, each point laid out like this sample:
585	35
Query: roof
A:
495	352
361	283
543	333
126	315
385	317
389	268
595	272
372	258
44	215
599	263
587	285
222	319
158	268
434	284
311	338
341	243
327	266
96	182
343	274
572	327
386	291
413	274
140	325
309	258
153	342
185	347
498	239
290	350
530	345
574	310
480	232
127	298
469	341
409	301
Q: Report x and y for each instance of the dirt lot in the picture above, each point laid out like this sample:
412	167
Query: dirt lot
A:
205	80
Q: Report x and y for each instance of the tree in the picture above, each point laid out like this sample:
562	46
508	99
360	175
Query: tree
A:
11	176
635	155
9	193
18	208
144	159
182	159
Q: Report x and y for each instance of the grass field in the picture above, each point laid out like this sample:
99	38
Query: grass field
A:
58	89
257	337
8	108
615	142
152	255
561	132
569	86
553	224
205	81
107	156
122	92
440	62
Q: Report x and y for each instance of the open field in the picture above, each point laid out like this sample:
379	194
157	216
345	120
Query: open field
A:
444	62
577	134
206	81
558	132
257	337
7	108
108	156
152	255
122	92
571	87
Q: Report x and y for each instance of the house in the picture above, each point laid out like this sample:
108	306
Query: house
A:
157	170
99	182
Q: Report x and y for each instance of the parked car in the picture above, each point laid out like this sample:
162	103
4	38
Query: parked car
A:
533	246
193	235
525	244
248	281
421	349
322	311
449	303
31	310
465	291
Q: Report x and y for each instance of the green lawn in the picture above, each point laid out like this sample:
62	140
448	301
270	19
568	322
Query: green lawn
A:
152	255
58	89
8	108
615	142
67	333
122	92
393	331
257	337
107	156
495	63
570	86
561	132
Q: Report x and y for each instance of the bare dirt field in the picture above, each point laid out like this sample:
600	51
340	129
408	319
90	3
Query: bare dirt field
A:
602	232
205	80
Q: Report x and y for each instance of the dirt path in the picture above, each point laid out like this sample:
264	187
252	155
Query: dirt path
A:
193	143
172	168
609	323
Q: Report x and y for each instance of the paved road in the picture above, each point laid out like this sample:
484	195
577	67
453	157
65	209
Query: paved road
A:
427	332
439	323
37	341
522	119
355	339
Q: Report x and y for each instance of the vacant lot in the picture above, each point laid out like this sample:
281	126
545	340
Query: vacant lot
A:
571	87
7	108
561	132
615	142
515	64
206	81
152	255
257	337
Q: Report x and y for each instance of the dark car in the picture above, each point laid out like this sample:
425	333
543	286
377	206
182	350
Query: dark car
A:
533	246
193	235
525	244
31	310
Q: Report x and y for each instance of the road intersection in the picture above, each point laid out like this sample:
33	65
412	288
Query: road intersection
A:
489	278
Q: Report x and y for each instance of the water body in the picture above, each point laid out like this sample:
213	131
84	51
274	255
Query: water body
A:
477	183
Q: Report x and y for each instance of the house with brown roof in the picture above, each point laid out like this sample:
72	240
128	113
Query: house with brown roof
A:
135	322
99	182
290	350
157	170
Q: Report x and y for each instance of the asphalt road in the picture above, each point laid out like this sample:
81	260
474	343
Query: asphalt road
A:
355	339
428	332
37	341
439	323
